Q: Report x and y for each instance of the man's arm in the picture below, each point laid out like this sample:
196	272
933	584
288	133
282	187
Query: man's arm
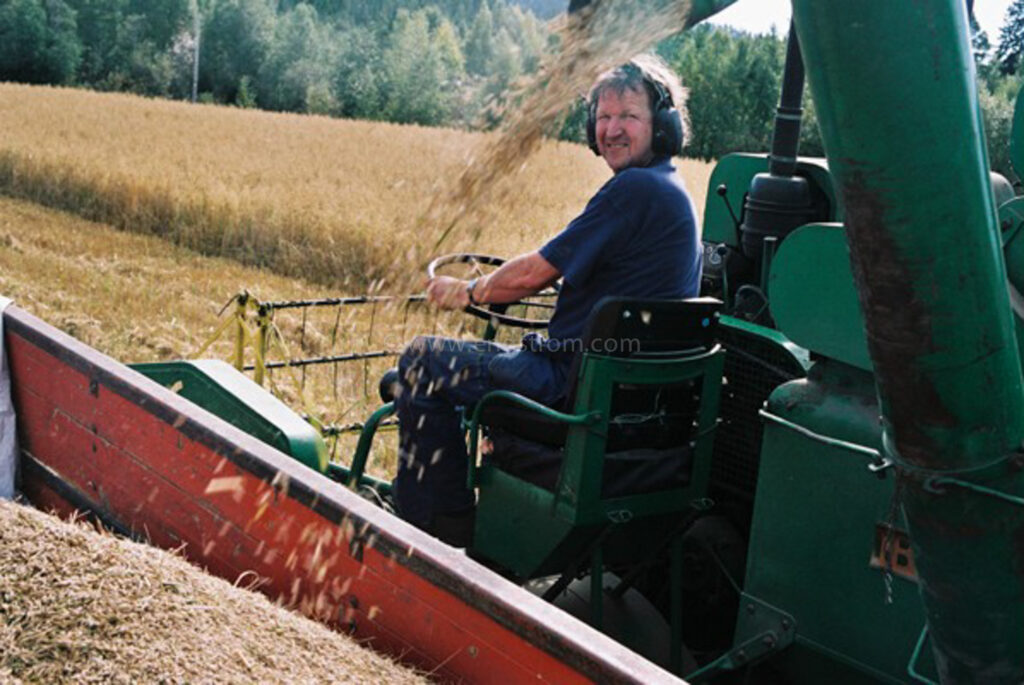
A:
515	279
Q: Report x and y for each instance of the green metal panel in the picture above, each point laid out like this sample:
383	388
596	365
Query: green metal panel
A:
518	526
1017	135
812	295
814	530
1011	220
735	171
224	391
772	337
903	131
1011	217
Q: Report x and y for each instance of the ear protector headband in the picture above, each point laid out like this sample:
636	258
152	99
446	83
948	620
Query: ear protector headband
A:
667	124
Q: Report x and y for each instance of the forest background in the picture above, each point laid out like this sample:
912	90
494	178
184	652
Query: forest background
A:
431	62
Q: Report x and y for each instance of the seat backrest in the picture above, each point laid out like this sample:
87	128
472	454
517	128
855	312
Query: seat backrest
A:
631	327
646	328
649	372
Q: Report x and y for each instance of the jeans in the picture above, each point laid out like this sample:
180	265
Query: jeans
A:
437	376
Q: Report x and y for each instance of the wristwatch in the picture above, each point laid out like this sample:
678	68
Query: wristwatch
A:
469	291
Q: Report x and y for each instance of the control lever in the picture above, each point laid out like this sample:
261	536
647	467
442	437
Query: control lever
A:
721	190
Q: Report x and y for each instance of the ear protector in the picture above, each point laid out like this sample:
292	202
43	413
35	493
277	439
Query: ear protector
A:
667	124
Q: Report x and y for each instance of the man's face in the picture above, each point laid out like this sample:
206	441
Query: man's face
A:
624	128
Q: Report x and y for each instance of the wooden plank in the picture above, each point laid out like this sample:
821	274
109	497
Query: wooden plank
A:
100	437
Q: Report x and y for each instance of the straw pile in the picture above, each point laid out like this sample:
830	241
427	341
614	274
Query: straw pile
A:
79	606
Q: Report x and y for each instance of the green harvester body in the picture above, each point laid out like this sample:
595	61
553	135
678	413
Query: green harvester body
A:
861	427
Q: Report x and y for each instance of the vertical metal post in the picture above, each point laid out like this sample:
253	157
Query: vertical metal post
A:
262	342
241	304
894	88
790	112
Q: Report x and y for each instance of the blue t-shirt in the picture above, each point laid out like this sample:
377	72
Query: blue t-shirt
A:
636	238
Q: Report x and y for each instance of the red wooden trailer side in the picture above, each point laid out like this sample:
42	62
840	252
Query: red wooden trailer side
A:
97	437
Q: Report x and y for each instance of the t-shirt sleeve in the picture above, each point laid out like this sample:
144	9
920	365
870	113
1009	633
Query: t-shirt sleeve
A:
582	246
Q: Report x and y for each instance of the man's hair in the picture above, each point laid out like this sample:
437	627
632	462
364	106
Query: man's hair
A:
644	73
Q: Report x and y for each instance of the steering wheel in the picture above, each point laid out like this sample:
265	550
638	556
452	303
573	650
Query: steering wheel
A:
495	312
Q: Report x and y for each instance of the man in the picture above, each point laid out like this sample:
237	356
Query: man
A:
636	237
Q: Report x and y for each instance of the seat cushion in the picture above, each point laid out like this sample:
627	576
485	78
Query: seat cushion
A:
626	472
656	418
503	415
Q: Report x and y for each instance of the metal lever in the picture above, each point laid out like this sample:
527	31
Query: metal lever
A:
721	190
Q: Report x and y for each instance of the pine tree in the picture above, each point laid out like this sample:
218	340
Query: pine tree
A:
1011	38
479	48
980	45
416	89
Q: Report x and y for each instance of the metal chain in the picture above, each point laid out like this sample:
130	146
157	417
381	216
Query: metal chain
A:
888	542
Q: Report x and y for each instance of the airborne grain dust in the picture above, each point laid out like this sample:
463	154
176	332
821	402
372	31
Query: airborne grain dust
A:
606	34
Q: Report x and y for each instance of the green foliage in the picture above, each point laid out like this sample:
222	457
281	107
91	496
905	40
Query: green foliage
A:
99	24
734	82
38	42
506	63
447	41
997	98
574	124
319	99
1011	38
980	45
419	86
127	44
237	36
357	75
997	86
245	97
433	62
164	19
142	66
297	72
528	34
479	49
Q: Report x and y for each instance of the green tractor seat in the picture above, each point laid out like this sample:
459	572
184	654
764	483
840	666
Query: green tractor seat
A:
611	481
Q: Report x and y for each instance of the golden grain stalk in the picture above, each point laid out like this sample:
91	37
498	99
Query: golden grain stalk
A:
81	607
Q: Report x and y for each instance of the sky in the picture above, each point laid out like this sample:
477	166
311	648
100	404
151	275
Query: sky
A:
757	16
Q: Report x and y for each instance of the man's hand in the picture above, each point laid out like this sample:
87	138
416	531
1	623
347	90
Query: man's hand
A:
517	278
447	292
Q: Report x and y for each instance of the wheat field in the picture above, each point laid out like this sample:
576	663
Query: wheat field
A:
212	201
330	201
138	299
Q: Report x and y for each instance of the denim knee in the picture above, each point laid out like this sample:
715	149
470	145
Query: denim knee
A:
409	370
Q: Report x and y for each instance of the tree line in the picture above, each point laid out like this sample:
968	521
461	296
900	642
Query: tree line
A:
400	60
431	62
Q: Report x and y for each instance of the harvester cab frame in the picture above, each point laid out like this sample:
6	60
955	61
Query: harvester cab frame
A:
853	504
